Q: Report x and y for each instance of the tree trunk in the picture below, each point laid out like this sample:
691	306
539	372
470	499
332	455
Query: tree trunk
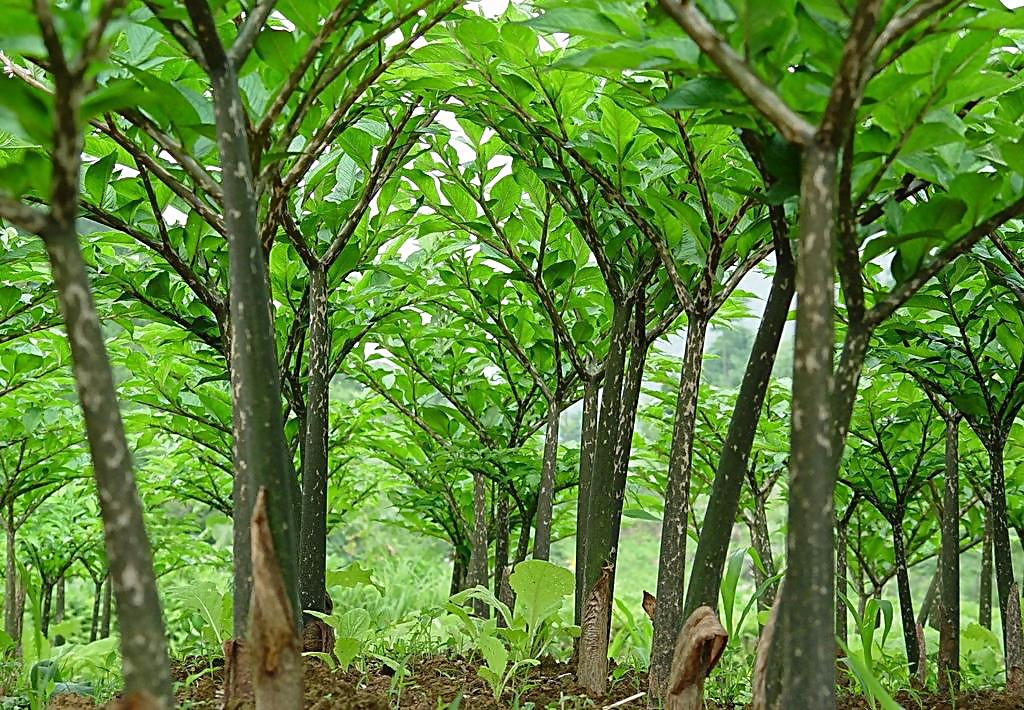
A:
842	586
546	494
105	616
588	447
478	557
985	583
46	596
1002	555
807	654
668	619
313	527
927	611
97	603
59	604
595	530
949	564
762	544
261	458
723	501
12	624
458	582
144	656
501	532
906	601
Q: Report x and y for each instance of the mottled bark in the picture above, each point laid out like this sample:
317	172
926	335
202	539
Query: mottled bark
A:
143	648
46	598
757	526
806	654
97	604
105	614
477	576
12	620
1002	556
672	560
906	601
588	448
313	527
723	501
59	604
985	581
949	566
842	585
502	590
595	531
261	458
546	493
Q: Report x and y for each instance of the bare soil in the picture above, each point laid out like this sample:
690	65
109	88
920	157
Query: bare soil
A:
435	683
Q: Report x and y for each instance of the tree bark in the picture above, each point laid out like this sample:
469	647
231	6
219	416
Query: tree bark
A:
105	617
1002	555
261	458
906	601
757	526
59	607
588	448
478	556
723	501
949	564
97	604
596	530
144	658
12	623
313	527
985	583
668	619
807	655
546	494
501	533
46	596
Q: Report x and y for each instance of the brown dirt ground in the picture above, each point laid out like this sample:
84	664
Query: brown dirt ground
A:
429	681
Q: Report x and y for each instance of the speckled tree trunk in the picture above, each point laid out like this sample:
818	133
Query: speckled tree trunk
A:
1013	645
668	619
906	600
313	527
502	590
12	620
477	576
985	580
949	564
723	502
546	494
261	458
594	533
806	654
588	448
145	663
143	648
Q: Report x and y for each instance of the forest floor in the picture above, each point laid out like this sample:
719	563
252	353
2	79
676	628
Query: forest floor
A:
435	682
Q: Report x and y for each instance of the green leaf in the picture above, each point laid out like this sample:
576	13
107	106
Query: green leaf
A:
618	125
702	92
540	587
97	176
354	575
585	22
